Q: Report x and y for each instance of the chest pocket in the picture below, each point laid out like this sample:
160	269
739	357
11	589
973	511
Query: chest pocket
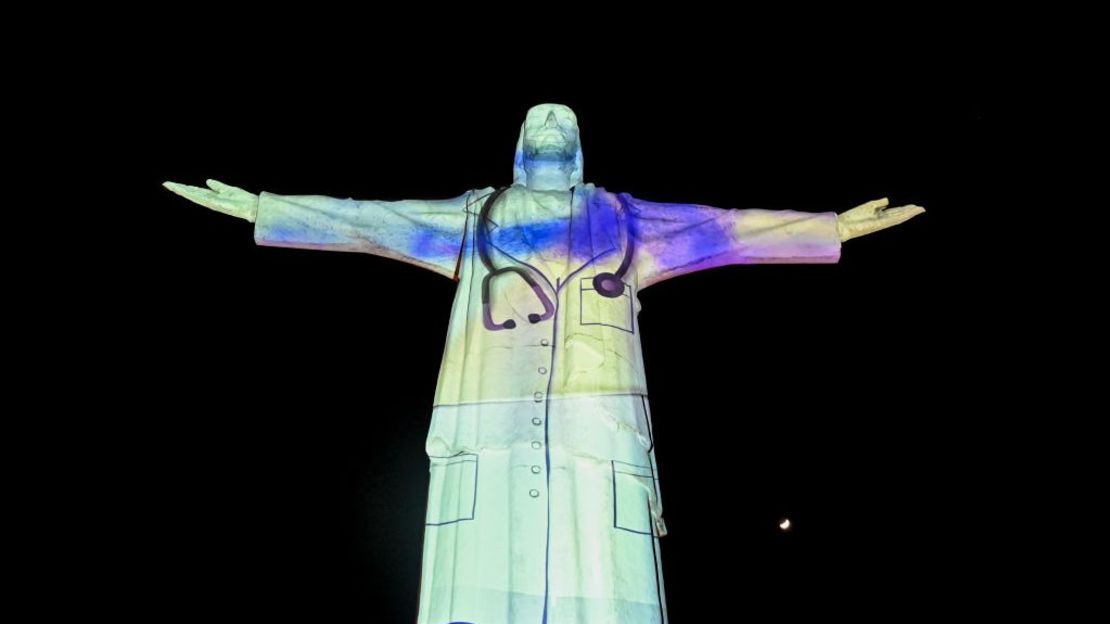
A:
597	309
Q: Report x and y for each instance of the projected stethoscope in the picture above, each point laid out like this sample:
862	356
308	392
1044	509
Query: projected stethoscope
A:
606	284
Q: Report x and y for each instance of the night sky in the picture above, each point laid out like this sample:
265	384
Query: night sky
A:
287	478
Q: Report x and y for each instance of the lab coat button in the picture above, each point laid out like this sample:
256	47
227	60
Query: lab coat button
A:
537	421
533	493
543	371
536	469
544	342
537	444
538	396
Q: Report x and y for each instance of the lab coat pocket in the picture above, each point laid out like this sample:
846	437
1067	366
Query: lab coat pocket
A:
453	489
597	309
635	501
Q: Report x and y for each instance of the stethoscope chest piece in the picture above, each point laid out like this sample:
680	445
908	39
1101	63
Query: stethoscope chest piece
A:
608	285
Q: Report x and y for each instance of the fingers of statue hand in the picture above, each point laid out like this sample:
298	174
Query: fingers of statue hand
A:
873	216
880	206
865	212
194	194
901	213
175	187
224	189
874	206
234	205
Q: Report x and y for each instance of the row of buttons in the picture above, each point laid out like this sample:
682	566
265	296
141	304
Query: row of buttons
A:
538	396
536	469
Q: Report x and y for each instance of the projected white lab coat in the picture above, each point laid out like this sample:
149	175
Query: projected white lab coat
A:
543	499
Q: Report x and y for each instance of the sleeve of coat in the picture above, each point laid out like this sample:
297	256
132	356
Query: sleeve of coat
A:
676	239
423	233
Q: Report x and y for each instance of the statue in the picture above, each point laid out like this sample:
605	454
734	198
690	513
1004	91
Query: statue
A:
543	499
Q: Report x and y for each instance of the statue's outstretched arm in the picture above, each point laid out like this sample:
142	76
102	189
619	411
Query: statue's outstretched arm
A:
425	233
675	239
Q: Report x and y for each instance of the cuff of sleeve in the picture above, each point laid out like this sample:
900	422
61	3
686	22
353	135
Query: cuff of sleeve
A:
789	237
826	238
264	219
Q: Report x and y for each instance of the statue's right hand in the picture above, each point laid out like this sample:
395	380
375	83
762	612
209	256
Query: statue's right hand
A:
219	197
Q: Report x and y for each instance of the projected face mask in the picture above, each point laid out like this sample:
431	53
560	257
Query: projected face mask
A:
548	140
550	135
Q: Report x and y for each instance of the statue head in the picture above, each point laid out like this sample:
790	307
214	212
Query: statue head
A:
548	145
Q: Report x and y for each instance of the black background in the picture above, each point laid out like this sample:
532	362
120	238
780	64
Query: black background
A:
272	421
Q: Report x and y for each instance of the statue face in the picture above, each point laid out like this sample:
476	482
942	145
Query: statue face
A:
550	134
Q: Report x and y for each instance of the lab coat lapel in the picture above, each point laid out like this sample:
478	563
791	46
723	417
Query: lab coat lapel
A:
596	233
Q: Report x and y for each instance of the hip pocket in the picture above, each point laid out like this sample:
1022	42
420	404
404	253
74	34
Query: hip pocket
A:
452	489
636	506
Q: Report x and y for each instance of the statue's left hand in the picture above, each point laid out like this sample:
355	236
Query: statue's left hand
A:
872	217
230	200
